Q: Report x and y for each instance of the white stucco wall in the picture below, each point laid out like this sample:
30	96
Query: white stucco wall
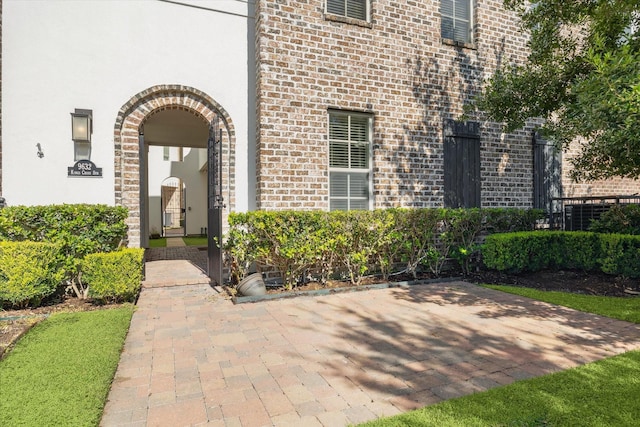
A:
61	55
194	179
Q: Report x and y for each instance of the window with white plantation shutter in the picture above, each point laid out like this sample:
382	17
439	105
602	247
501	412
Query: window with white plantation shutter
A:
356	9
457	22
349	160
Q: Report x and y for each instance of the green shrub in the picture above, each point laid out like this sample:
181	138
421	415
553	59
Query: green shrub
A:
511	220
580	250
362	235
240	249
78	230
464	229
620	255
113	276
317	244
418	231
290	241
517	252
619	219
29	272
614	254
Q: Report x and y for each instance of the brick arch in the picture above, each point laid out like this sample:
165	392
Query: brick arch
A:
132	116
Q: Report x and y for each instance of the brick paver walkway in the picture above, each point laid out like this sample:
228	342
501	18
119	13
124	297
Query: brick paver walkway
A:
175	265
194	358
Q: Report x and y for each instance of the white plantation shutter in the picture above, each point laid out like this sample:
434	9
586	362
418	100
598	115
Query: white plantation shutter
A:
349	152
359	128
337	7
456	18
356	9
339	127
338	154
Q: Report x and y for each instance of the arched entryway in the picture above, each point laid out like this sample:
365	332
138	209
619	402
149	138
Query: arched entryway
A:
168	116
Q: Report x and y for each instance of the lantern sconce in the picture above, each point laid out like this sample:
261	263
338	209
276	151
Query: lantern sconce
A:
81	129
40	153
81	125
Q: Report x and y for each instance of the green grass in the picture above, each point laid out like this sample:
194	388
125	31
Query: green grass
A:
60	372
158	243
189	241
619	308
603	393
195	241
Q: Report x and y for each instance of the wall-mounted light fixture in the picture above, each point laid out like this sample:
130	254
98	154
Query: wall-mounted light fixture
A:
81	129
40	153
81	125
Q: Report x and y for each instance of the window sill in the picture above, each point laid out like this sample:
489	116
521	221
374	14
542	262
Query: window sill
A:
347	20
459	44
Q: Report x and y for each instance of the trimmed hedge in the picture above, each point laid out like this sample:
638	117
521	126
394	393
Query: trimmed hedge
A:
620	255
351	244
113	276
614	254
29	272
78	229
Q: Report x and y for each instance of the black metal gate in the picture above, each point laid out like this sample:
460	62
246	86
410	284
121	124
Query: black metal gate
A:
215	201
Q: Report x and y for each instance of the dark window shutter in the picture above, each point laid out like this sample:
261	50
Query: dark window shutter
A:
547	174
461	164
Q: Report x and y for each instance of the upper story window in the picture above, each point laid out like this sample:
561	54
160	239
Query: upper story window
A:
457	20
349	160
354	9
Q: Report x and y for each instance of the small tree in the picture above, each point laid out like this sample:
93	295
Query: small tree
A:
582	76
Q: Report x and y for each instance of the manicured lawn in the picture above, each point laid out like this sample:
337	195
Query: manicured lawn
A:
60	372
195	241
603	393
619	308
189	241
158	243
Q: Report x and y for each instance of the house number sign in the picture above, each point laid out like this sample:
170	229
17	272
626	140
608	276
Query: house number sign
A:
84	168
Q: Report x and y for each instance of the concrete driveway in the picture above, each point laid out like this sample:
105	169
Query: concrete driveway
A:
194	358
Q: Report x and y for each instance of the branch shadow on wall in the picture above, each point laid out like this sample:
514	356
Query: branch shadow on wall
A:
441	88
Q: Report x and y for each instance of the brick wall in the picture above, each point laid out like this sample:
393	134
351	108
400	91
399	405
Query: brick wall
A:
610	187
396	67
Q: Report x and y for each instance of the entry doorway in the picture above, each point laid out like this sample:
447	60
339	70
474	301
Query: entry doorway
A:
173	202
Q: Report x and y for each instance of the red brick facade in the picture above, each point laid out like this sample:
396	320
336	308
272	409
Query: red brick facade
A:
397	67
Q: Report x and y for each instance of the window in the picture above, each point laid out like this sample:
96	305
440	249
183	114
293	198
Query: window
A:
166	153
457	22
349	160
356	9
461	164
